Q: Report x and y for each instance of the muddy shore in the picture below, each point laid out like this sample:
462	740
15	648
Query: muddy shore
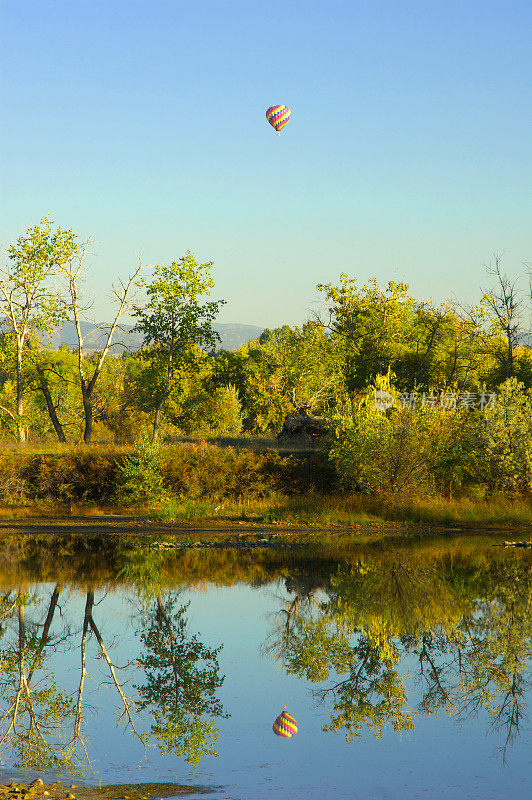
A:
38	790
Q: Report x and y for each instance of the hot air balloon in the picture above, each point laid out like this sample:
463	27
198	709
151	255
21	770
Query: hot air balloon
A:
278	117
285	725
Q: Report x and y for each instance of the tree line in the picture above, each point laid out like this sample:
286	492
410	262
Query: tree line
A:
178	383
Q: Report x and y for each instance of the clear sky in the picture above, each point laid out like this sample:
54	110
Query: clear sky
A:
141	123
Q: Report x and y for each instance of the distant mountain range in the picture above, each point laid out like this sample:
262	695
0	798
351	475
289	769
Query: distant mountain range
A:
232	336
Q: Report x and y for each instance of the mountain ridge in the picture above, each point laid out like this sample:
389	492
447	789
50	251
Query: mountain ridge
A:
232	336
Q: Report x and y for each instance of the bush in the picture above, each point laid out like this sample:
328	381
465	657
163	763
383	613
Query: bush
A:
150	472
202	471
399	450
75	475
507	439
140	478
218	413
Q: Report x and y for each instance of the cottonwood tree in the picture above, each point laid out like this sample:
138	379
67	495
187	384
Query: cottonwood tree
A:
175	322
288	369
503	305
469	635
73	271
40	722
498	326
35	713
386	329
30	302
373	323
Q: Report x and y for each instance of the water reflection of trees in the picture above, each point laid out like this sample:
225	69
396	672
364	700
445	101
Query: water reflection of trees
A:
459	618
35	710
43	727
182	676
467	630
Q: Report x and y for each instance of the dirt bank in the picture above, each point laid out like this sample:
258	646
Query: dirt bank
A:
202	532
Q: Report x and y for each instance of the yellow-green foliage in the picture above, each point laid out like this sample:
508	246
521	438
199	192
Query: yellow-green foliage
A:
397	450
214	413
139	475
507	438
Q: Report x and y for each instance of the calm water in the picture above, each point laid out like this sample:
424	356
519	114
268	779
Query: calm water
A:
407	668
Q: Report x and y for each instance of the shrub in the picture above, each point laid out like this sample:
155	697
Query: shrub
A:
75	475
140	478
398	450
507	438
13	486
218	413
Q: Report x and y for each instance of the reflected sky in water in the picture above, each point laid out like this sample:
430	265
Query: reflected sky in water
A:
437	647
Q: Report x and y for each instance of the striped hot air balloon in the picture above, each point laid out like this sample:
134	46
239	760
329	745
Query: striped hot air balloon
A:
285	725
278	117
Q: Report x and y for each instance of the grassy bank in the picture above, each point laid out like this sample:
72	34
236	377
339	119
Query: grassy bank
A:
221	485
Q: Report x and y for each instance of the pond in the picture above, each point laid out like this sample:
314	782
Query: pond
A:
405	664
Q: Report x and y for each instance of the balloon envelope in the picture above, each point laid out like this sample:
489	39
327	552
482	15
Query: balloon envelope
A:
278	117
285	725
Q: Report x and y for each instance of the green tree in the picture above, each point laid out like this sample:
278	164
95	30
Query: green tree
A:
212	413
386	329
283	370
174	320
189	386
29	301
374	324
57	406
463	619
440	350
228	369
35	717
140	477
499	319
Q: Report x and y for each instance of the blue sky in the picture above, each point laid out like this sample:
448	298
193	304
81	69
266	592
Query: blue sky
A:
142	125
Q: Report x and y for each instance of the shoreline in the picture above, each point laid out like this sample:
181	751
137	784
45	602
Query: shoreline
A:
39	790
212	531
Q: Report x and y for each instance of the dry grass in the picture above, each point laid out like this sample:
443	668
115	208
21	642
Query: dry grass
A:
354	509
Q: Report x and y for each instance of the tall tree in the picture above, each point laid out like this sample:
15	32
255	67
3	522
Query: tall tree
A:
502	305
174	320
29	302
289	369
73	272
375	325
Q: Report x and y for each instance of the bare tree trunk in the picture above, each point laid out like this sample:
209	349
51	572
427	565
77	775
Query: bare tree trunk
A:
76	736
87	410
50	405
21	430
126	702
